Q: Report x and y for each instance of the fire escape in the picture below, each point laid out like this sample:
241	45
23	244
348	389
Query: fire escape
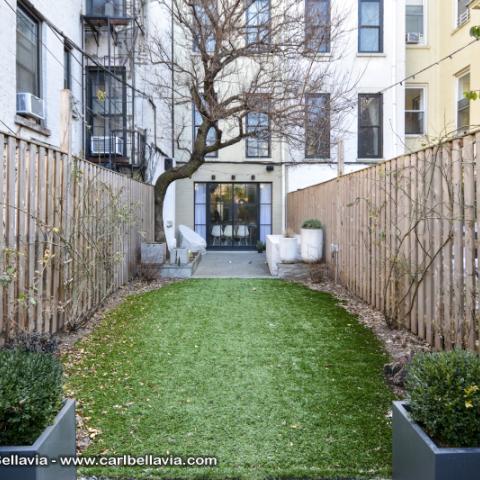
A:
113	32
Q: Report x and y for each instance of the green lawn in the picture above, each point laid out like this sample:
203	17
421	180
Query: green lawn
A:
273	379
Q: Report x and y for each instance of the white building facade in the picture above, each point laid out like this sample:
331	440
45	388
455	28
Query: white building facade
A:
237	198
95	51
371	54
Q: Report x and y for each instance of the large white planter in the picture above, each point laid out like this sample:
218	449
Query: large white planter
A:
312	245
288	249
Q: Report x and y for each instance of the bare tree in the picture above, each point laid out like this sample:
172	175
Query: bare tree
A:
235	57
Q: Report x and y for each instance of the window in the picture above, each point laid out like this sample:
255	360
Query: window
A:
200	212
107	103
258	24
205	36
463	104
67	68
370	26
415	21
463	12
258	145
370	130
317	126
106	8
265	211
414	111
211	136
317	25
28	53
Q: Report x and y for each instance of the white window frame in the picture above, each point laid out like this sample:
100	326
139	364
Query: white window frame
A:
425	109
424	38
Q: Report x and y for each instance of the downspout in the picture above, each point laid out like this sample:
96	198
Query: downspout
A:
154	107
84	96
284	186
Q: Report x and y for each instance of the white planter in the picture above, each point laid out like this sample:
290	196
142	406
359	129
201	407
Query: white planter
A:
312	245
288	249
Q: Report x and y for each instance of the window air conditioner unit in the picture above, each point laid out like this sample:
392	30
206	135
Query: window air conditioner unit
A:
30	106
106	146
413	38
464	17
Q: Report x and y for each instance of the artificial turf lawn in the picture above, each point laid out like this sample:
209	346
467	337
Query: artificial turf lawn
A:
273	379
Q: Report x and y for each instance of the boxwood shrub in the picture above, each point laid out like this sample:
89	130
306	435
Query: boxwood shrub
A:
30	395
444	397
312	224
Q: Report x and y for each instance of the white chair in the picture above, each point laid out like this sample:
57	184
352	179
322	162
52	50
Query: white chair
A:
217	234
243	233
228	233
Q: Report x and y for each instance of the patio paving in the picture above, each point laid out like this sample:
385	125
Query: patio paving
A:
220	264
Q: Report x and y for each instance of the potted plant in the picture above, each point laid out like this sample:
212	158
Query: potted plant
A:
288	247
35	421
260	247
312	241
436	432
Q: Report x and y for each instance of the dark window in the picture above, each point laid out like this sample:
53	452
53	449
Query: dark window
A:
211	136
370	130
317	126
67	68
258	24
463	103
205	35
370	26
107	103
28	53
463	12
414	111
259	144
317	25
414	19
106	8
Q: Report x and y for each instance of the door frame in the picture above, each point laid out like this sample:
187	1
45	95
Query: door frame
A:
209	216
208	213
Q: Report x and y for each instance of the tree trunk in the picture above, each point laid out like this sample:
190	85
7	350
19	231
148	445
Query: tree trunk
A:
161	187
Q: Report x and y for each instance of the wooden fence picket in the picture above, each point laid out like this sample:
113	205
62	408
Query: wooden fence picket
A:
407	233
48	203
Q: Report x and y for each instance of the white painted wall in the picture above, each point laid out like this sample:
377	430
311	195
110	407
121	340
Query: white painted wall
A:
303	176
66	14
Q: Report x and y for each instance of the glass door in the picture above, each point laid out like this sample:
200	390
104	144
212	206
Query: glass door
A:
221	224
233	211
245	214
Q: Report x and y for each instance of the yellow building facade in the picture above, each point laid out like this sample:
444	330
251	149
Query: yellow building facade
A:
435	105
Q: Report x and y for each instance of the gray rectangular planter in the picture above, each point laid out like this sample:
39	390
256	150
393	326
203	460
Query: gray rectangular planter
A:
153	253
417	457
56	440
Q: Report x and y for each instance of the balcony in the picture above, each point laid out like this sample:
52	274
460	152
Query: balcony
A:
104	11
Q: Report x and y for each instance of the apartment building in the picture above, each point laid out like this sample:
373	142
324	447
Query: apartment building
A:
95	52
438	36
373	52
94	49
239	196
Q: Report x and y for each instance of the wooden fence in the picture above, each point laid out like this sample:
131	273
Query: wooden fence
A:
69	236
407	235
